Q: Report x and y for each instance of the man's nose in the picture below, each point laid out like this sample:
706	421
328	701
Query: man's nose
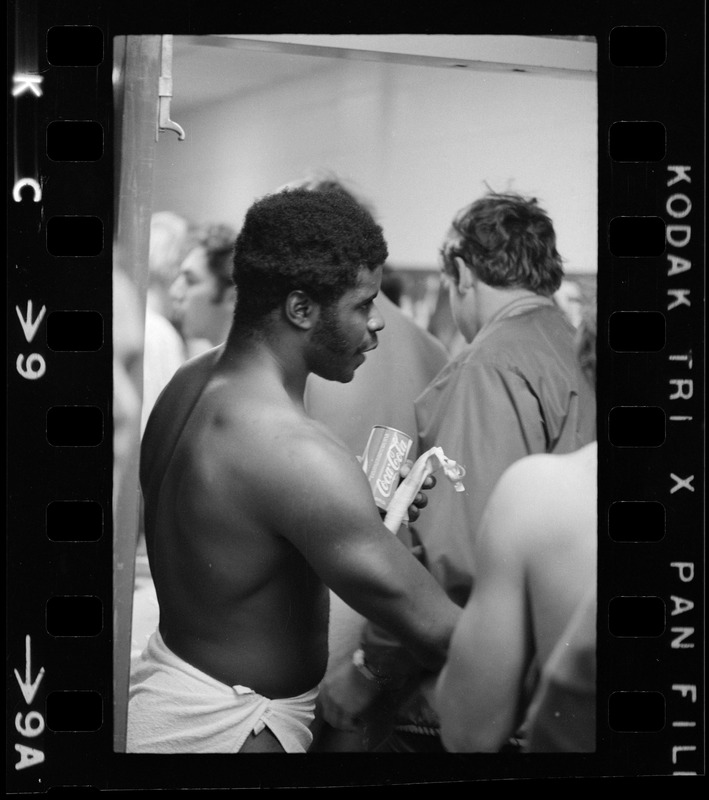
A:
376	320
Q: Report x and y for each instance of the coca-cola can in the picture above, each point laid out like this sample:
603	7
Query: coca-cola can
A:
386	451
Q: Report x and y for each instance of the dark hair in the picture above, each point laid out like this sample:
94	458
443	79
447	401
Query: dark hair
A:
314	241
392	283
329	181
217	241
508	241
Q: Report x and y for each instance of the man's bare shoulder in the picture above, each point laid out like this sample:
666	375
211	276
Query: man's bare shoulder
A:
185	387
296	475
544	472
270	434
541	495
194	370
171	411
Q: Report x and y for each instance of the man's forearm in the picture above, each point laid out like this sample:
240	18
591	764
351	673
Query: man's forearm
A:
385	656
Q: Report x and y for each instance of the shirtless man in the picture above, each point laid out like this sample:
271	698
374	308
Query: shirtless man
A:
537	563
252	509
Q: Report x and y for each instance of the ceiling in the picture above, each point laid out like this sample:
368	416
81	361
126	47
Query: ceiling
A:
204	73
206	69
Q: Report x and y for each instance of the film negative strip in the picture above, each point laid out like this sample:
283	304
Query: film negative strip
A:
72	212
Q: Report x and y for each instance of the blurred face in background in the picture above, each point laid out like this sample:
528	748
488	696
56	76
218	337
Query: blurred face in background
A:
128	330
203	307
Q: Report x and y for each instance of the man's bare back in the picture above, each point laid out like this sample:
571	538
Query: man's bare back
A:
236	597
536	562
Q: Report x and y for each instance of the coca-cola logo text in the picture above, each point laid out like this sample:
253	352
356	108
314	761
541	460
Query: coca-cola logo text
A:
395	458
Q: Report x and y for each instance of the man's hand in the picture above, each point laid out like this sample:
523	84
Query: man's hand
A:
421	500
345	697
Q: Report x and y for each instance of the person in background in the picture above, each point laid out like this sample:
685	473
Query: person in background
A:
164	350
514	390
169	236
203	293
382	392
127	361
254	511
533	608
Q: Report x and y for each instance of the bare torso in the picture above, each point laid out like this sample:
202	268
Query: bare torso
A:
536	562
252	512
561	567
237	599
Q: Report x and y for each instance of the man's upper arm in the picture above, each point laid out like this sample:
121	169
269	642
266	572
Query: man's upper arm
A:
478	691
321	502
332	519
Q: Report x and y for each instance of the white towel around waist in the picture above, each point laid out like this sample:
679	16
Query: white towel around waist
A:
176	708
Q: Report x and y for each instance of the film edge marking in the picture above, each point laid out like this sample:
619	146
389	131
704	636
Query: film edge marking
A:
32	725
678	206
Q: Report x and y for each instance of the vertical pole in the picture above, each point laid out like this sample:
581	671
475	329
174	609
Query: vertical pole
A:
135	126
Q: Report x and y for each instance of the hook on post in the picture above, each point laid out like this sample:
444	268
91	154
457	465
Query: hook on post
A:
165	90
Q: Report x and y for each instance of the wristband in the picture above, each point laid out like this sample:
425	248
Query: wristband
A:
360	664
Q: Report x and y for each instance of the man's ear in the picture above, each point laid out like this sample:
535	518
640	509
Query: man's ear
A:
301	310
466	278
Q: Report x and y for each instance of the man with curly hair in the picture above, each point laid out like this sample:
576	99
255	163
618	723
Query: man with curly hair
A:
515	389
254	511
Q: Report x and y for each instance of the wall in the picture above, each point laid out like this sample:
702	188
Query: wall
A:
418	142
